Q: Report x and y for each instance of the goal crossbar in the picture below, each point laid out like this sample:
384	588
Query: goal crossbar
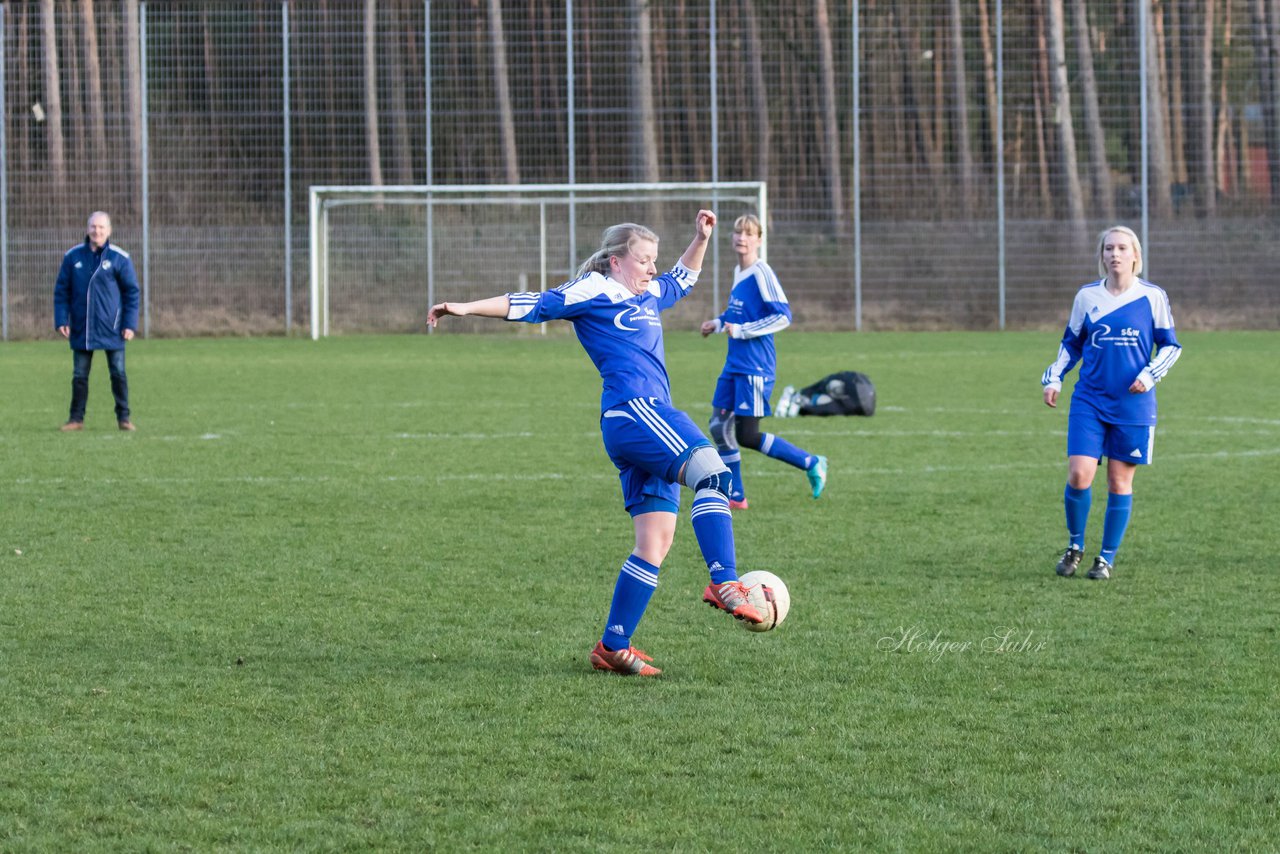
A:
323	198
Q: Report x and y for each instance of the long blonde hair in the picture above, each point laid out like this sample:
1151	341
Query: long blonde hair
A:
616	240
1137	248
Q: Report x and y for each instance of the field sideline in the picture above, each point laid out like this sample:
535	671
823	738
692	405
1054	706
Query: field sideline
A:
338	595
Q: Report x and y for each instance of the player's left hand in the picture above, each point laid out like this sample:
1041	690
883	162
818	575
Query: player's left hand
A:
128	334
708	328
438	311
706	221
1138	386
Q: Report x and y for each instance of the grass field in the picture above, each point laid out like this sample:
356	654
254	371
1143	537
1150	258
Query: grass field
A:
339	595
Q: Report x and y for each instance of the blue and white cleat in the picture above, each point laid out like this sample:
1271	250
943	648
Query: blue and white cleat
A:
818	476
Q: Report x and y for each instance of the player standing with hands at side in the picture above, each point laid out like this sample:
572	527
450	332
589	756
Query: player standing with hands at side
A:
615	306
1121	332
95	307
757	310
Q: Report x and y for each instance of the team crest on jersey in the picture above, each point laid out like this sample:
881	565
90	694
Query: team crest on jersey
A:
106	265
79	264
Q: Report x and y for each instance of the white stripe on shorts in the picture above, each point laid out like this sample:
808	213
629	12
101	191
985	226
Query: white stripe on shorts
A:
664	431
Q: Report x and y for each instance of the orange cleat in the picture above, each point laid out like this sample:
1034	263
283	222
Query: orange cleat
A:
731	597
624	662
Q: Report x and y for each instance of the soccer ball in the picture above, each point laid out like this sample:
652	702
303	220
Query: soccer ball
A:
769	596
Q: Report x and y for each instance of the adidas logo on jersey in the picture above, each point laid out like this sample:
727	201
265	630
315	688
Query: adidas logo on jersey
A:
744	405
1136	453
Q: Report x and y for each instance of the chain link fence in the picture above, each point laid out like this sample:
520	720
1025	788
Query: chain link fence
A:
953	176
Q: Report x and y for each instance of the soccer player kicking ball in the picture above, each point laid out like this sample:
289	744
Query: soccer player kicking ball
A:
615	306
1121	333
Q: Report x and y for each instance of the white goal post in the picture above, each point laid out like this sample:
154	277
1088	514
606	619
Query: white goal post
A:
376	253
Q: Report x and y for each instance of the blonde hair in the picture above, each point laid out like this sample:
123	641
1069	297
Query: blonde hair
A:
1137	248
616	240
748	221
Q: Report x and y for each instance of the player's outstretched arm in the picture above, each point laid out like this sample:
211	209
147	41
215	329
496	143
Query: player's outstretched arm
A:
492	307
703	225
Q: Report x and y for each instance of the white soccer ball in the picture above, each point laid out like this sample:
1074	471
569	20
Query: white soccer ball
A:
769	596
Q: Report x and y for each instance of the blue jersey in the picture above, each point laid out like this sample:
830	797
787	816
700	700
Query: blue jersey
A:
759	308
621	331
1116	339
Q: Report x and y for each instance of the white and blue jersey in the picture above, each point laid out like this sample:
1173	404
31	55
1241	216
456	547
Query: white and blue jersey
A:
621	331
1117	339
758	307
646	437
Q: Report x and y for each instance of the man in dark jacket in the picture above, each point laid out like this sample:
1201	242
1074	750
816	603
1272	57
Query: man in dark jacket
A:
95	307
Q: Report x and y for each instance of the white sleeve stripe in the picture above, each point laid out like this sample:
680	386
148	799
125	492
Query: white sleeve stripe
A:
1163	360
770	289
1053	373
521	304
765	326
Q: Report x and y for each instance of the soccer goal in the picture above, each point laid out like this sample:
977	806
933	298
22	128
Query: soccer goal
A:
381	256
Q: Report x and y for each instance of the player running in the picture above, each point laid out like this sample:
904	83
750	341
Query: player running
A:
615	306
1121	332
757	310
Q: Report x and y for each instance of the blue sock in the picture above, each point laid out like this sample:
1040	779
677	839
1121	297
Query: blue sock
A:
1119	508
781	449
1076	502
733	461
713	526
636	583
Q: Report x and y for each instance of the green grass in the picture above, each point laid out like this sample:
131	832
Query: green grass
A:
339	595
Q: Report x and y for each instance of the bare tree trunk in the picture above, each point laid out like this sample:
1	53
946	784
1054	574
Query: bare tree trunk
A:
93	79
1171	39
761	131
133	51
372	142
1062	117
961	89
506	114
73	110
644	141
1228	180
211	81
1041	93
1266	17
989	74
830	119
1099	168
401	147
1158	123
21	144
1199	56
53	100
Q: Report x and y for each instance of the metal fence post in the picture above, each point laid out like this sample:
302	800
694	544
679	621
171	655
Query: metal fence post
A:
1002	272
146	185
288	174
4	194
1145	144
715	160
857	172
431	209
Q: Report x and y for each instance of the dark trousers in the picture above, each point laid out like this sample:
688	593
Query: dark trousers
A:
83	360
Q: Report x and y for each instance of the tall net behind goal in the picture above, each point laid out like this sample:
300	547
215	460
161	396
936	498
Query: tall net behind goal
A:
381	256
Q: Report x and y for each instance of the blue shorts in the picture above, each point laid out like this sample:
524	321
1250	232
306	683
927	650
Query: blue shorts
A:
649	441
744	394
1089	436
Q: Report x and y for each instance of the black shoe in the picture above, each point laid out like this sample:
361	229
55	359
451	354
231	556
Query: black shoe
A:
1070	562
1101	570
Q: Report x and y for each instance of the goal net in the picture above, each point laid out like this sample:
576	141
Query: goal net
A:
381	256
